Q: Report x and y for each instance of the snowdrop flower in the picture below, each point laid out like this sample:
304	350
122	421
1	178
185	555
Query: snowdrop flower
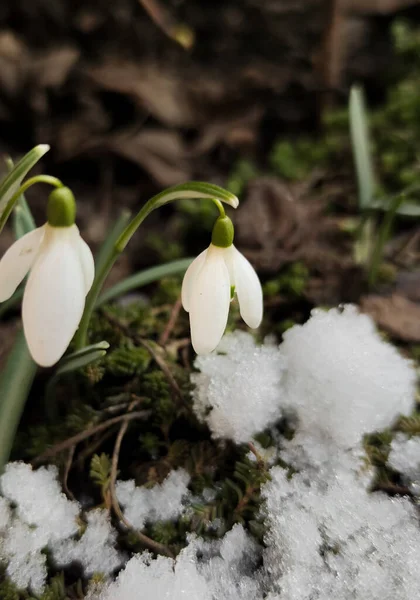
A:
209	284
62	272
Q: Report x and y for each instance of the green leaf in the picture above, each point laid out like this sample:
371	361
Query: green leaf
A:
143	278
15	383
12	182
407	209
100	469
81	358
23	221
361	148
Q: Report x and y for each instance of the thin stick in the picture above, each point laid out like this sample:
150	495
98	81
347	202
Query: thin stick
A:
171	322
154	353
67	468
144	539
83	435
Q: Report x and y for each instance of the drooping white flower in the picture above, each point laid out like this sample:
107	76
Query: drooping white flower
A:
207	285
61	273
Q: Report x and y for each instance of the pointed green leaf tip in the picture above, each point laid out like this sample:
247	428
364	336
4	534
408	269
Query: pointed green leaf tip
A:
61	209
223	232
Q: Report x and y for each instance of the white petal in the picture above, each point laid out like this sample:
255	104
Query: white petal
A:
54	297
209	302
189	278
17	261
248	289
87	262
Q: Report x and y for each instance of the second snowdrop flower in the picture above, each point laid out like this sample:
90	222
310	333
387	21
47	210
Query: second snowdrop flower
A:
61	274
209	284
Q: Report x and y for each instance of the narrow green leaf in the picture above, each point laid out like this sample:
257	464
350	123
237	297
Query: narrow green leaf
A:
12	182
79	362
407	209
84	352
361	147
15	380
23	221
143	278
15	384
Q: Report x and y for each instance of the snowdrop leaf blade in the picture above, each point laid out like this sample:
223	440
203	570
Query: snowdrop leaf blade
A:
12	182
361	147
248	290
84	352
53	301
209	303
15	383
79	362
23	221
17	261
142	278
189	278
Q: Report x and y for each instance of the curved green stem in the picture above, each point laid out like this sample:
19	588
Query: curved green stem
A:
28	183
192	189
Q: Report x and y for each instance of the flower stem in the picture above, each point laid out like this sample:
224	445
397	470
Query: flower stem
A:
48	179
192	189
28	183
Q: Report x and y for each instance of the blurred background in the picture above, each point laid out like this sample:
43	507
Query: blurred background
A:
137	95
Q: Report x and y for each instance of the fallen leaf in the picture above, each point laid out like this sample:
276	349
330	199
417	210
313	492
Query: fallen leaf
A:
395	314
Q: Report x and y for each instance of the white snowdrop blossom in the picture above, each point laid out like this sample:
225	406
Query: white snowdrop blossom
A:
207	289
61	273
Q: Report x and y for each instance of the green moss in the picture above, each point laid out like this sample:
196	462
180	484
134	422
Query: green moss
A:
290	282
8	591
295	160
127	361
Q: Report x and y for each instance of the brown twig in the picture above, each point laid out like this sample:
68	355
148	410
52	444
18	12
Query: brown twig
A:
159	360
93	446
144	539
67	468
171	322
155	353
83	435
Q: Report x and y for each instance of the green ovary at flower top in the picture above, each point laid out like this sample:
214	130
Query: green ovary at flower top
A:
207	285
61	274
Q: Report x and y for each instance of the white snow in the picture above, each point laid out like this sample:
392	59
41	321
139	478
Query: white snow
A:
342	379
327	536
404	457
95	549
223	571
40	501
44	518
237	389
162	502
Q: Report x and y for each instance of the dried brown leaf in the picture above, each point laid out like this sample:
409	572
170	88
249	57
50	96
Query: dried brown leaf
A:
395	314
